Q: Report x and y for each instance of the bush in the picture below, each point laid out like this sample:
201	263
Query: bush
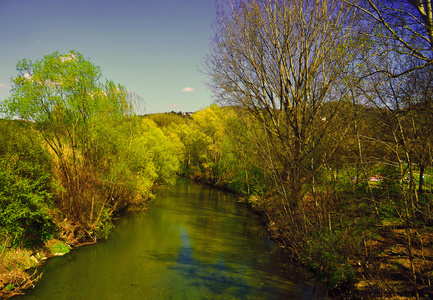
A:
25	196
324	253
24	213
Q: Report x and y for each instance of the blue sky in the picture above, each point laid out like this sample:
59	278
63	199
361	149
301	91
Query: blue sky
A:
154	48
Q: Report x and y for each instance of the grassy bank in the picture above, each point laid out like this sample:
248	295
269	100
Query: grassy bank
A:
18	266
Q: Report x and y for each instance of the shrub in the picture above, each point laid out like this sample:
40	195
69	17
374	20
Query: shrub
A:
25	196
324	253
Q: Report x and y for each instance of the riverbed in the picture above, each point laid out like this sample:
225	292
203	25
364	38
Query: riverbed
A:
192	242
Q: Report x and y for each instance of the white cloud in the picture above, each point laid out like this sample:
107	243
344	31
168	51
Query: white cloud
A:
4	86
188	89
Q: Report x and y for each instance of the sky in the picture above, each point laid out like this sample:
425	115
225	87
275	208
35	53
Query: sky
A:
155	48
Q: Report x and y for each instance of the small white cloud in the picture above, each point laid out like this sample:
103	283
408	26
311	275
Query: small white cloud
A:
188	89
4	86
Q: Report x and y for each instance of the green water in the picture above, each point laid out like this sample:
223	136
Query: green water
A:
192	243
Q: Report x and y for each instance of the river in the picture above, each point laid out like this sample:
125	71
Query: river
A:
192	243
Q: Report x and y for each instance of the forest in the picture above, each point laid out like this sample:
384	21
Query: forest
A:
321	123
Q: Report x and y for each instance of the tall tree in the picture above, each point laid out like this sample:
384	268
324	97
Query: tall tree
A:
281	60
63	96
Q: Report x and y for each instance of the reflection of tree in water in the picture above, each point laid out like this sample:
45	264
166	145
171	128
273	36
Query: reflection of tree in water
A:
220	278
185	251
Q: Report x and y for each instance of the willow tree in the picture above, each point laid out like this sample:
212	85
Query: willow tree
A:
282	61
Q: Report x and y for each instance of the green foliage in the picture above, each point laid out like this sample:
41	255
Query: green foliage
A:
162	150
214	154
325	253
150	158
96	152
105	225
89	127
25	193
24	211
207	132
166	119
56	92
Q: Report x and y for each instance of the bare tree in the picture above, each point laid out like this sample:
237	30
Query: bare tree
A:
282	61
404	26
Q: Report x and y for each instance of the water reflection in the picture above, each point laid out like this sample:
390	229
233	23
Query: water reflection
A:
192	243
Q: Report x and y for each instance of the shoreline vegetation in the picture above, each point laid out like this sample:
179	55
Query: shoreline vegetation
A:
341	174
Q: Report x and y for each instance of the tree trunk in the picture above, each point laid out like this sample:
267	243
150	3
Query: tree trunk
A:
421	178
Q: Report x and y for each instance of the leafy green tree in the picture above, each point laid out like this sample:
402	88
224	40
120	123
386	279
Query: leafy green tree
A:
246	168
207	148
208	129
63	97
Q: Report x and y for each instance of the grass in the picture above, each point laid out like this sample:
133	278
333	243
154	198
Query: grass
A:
58	247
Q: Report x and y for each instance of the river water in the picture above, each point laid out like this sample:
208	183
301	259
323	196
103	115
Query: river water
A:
192	243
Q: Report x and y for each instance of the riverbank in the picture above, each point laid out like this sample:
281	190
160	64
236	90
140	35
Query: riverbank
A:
383	267
71	193
361	224
375	266
19	266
